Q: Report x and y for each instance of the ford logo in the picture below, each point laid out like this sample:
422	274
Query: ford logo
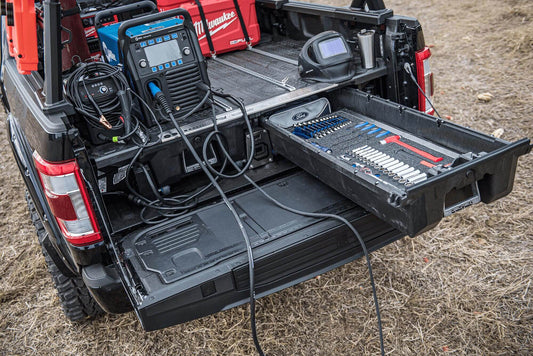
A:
300	116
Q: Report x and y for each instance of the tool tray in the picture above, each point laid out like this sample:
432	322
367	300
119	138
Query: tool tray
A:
408	168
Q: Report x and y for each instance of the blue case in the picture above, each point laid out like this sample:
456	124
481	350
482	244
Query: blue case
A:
108	36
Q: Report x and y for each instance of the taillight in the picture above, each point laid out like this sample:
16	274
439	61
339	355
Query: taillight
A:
424	77
69	202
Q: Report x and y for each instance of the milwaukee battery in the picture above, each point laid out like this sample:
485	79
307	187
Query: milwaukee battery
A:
21	34
222	21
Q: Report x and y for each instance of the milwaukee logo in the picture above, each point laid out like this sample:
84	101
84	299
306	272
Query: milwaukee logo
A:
223	21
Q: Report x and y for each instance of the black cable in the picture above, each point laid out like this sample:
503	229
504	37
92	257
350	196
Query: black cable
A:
151	183
314	215
407	68
140	200
251	269
191	112
218	134
357	235
111	111
241	227
166	207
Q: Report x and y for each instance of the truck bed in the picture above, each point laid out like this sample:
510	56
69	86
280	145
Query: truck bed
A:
277	61
189	267
249	87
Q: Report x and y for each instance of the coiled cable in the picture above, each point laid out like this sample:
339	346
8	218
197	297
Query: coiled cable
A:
112	112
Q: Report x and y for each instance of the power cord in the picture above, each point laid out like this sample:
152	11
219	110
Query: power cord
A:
160	97
407	68
300	212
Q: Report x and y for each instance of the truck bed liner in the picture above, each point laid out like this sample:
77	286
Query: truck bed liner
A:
249	87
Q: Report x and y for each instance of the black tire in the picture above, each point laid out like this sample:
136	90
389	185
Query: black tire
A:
76	301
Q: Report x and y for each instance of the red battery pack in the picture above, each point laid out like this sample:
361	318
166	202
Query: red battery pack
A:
223	23
22	35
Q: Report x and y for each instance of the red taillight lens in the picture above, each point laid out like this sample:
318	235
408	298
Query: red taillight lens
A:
425	80
68	200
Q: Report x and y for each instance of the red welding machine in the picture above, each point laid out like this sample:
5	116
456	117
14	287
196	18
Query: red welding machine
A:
223	21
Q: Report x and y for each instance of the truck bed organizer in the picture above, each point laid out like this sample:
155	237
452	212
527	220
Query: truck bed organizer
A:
408	168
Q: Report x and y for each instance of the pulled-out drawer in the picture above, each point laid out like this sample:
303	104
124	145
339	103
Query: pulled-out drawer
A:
408	168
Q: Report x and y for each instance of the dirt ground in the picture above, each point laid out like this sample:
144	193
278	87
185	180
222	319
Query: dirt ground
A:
465	287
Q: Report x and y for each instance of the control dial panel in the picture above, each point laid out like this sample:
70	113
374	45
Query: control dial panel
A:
158	54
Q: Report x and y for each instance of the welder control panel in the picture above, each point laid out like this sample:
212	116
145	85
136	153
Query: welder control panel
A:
161	51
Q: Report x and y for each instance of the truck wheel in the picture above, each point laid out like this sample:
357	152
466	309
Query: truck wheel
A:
76	301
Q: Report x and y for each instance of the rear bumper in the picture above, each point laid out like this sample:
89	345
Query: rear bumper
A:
197	265
104	285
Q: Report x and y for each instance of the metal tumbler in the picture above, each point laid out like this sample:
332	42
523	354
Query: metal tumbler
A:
366	45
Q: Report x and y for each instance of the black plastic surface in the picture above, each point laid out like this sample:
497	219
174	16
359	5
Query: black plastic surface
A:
196	265
104	285
272	4
475	158
47	134
377	17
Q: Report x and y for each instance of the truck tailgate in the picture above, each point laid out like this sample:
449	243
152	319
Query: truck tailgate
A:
197	264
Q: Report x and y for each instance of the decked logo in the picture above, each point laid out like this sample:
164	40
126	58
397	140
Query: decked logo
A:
221	23
300	116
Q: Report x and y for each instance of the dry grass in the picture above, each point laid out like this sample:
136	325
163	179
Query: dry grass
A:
465	287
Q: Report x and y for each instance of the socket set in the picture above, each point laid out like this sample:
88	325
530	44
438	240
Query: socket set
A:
383	153
399	171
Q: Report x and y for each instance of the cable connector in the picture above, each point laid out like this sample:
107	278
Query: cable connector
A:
160	97
202	86
135	200
142	136
125	104
106	123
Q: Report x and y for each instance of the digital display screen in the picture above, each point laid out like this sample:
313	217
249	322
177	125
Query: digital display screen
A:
332	47
163	53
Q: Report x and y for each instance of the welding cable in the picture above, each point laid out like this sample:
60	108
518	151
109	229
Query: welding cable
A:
409	71
111	112
160	97
135	196
141	199
218	134
166	207
357	235
151	183
320	216
350	226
